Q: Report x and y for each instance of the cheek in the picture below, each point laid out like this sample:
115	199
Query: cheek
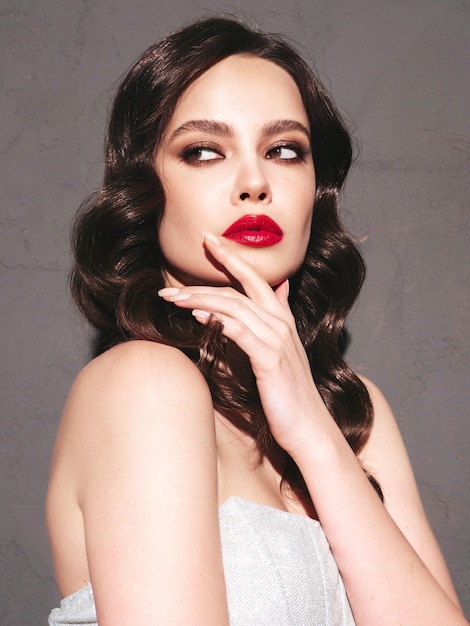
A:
304	223
176	233
180	232
178	214
306	202
310	194
173	225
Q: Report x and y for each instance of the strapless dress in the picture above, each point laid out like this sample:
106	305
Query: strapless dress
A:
279	571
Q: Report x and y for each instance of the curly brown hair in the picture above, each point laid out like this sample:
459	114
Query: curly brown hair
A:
119	266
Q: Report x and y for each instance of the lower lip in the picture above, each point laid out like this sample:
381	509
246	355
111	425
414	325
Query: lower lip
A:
255	238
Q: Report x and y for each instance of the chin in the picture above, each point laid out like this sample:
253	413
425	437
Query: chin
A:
208	274
276	275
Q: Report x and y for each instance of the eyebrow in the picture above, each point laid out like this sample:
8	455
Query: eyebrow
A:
206	126
224	130
282	126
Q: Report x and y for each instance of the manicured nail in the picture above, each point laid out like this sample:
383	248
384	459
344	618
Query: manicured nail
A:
168	291
201	316
211	237
172	294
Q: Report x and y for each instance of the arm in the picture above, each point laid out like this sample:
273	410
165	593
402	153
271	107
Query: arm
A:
141	421
386	455
391	565
384	556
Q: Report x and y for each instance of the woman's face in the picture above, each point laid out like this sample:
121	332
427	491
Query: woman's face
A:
235	160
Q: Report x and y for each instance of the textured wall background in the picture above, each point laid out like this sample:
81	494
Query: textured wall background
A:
400	69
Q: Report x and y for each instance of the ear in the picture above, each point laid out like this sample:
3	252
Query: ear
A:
282	293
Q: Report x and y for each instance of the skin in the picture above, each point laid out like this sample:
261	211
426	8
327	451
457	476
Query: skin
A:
134	454
252	158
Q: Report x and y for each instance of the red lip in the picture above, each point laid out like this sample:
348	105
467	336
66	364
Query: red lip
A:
257	231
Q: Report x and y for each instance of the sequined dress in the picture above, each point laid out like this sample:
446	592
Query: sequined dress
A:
279	571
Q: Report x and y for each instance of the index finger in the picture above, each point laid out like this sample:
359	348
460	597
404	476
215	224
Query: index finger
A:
254	285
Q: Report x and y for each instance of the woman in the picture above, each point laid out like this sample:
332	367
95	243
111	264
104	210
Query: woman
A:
219	463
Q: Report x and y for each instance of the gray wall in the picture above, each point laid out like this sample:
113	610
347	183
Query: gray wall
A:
400	69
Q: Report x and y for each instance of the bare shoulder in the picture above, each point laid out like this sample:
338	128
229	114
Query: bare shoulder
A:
142	366
136	452
139	373
385	454
138	397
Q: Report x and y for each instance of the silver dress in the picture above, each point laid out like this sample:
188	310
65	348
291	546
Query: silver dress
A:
279	571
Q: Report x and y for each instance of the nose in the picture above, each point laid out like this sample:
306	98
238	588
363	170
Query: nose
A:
251	184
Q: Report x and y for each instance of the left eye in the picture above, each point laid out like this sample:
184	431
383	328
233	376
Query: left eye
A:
200	154
285	153
205	154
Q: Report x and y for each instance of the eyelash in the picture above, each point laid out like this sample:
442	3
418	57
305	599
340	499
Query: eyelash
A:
300	152
191	154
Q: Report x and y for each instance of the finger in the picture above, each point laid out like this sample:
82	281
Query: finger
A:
245	323
261	345
207	297
236	311
282	293
183	294
254	285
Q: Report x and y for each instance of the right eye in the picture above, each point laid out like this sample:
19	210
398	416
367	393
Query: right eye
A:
201	154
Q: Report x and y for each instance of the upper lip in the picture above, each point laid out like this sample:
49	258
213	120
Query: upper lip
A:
253	222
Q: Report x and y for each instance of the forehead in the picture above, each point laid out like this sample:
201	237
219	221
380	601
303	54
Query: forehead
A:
241	88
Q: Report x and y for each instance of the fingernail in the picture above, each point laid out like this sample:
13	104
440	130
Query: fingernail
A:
168	291
201	316
178	297
173	294
211	237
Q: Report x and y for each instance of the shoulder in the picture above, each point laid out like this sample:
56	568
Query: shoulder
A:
384	453
139	363
137	398
136	453
386	457
139	373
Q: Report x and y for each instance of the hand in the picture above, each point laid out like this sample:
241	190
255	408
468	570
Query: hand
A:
261	324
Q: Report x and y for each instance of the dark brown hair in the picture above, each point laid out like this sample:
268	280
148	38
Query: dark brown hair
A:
119	266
